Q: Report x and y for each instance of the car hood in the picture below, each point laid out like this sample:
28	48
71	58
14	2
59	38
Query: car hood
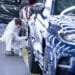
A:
63	27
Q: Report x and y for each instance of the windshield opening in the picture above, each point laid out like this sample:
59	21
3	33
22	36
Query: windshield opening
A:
60	5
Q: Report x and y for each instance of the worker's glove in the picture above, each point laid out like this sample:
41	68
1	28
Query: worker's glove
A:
26	38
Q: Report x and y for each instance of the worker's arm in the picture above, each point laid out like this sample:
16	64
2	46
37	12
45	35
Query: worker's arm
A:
20	37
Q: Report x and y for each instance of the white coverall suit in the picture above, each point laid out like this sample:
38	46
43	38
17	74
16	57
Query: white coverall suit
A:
10	36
